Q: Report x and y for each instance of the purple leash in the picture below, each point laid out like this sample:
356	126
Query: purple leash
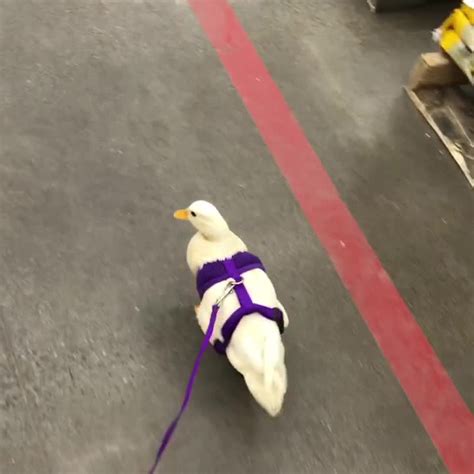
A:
189	388
192	378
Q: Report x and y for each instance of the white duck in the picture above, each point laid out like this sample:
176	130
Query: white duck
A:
255	349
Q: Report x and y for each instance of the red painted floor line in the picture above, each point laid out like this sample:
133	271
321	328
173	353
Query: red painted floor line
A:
444	414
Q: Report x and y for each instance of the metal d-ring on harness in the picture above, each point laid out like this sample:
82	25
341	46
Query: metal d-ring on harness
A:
189	388
228	290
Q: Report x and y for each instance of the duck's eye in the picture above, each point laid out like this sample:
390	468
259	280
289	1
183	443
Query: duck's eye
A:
193	213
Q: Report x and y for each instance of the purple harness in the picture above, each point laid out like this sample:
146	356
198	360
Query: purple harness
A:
232	268
209	275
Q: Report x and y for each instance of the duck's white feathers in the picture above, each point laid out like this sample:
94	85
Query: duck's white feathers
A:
202	250
256	349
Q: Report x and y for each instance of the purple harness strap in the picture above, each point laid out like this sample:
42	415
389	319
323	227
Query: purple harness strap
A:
247	306
212	273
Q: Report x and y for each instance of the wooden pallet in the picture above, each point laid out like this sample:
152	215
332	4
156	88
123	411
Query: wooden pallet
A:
439	90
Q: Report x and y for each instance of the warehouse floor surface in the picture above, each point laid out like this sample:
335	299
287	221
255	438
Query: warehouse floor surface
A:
114	113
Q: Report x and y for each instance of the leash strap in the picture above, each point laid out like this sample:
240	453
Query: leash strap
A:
189	388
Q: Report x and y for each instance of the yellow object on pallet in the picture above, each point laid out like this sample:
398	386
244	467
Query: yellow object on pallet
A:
456	37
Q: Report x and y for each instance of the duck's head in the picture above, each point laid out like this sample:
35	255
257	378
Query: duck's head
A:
205	217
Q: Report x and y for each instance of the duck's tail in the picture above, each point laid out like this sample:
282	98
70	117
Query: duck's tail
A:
271	359
269	387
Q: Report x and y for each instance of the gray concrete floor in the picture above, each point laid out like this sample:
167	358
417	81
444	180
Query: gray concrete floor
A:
114	113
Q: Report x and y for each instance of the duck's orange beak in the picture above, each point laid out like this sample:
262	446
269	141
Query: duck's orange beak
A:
182	215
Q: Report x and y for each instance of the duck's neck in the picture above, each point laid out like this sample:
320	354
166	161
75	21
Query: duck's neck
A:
216	235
